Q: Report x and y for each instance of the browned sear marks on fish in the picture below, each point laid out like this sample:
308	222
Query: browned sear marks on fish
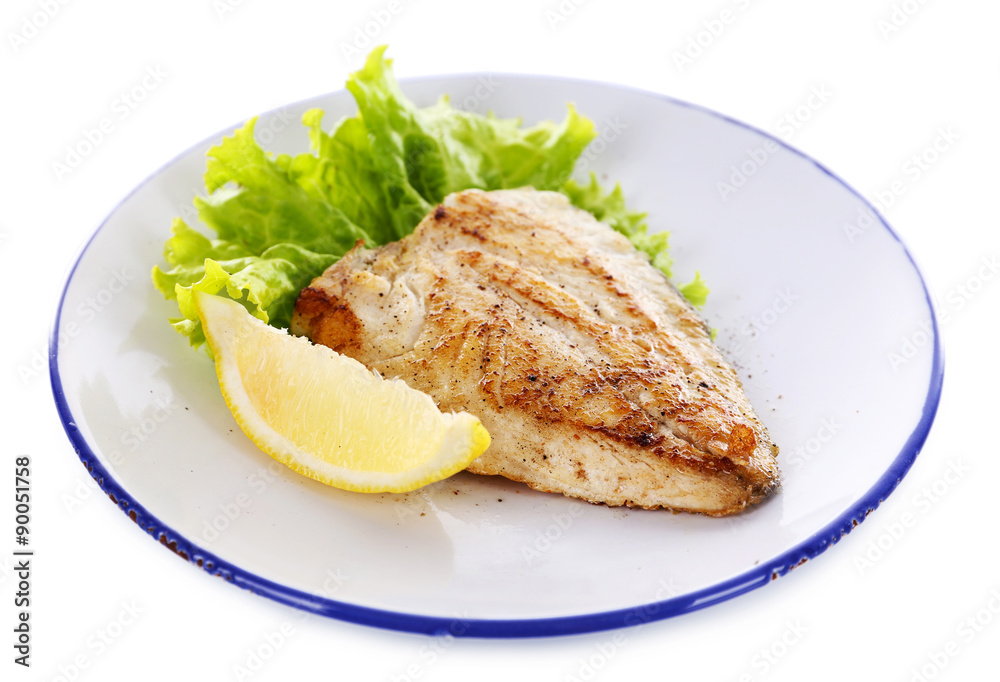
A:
594	376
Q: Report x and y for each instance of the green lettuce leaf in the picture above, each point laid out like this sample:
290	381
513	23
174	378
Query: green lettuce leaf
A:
695	291
274	231
280	220
609	207
424	154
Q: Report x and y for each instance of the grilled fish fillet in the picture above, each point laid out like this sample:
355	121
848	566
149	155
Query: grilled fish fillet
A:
594	376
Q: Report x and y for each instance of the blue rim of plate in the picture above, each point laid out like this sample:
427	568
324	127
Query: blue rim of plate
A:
759	576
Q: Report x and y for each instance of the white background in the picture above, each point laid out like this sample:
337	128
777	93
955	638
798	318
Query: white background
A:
890	92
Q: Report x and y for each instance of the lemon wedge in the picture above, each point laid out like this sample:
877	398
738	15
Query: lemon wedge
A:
326	415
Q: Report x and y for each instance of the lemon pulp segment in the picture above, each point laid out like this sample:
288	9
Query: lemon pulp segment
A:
326	415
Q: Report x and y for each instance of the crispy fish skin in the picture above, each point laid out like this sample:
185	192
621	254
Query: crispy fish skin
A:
594	376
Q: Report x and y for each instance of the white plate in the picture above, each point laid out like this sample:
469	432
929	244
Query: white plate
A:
817	302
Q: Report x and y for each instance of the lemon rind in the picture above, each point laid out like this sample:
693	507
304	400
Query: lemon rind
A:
464	438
